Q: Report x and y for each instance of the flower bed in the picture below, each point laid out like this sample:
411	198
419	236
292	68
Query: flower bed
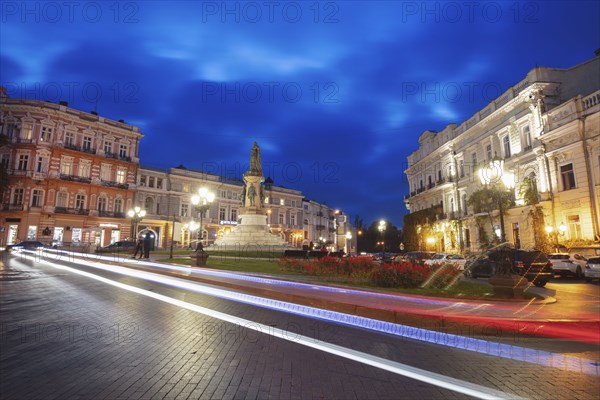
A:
364	270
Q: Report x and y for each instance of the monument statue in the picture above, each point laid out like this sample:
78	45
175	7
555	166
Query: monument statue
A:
252	230
255	163
251	195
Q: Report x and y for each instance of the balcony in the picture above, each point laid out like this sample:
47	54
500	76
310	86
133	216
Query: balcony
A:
111	214
13	207
440	181
430	185
76	211
421	189
115	184
19	172
75	178
88	150
71	146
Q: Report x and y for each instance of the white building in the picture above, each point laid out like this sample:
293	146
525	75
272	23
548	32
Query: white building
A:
546	130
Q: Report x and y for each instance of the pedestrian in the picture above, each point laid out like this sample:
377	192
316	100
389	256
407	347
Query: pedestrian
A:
147	245
139	247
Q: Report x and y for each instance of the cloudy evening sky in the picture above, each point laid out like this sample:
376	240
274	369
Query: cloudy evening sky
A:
335	93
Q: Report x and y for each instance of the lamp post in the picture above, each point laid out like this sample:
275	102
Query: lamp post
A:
348	237
562	229
381	228
136	214
201	203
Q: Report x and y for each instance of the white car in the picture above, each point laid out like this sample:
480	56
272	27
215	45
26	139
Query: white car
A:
568	264
444	258
592	269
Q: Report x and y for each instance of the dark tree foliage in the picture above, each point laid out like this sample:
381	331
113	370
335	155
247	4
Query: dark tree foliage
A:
422	219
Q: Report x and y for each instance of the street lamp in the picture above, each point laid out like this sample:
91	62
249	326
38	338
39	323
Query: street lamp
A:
136	214
381	228
348	237
201	203
562	229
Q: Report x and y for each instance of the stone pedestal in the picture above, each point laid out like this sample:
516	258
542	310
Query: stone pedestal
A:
509	286
199	258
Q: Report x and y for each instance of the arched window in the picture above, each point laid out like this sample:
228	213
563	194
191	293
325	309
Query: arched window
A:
149	204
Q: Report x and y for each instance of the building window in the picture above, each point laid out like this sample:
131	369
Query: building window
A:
526	138
84	169
118	205
151	181
186	188
474	159
281	219
233	214
66	166
267	200
69	138
222	213
506	145
105	172
46	134
185	209
108	146
26	130
39	167
80	201
159	183
574	227
149	204
102	203
87	143
282	202
18	197
36	198
294	203
293	220
488	152
568	176
122	150
121	173
23	161
61	199
143	180
461	164
5	160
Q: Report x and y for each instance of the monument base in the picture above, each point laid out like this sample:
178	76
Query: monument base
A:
251	233
508	286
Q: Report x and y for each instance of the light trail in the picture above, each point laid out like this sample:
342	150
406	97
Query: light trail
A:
534	356
445	382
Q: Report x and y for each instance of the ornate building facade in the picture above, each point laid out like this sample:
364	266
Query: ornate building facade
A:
70	176
541	136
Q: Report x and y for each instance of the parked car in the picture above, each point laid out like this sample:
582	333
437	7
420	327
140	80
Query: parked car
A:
534	265
26	245
416	257
124	246
444	258
592	269
567	264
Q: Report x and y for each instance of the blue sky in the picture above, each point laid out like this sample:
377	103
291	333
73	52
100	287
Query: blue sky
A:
335	93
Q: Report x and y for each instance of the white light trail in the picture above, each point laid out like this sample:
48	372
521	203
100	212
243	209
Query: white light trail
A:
456	385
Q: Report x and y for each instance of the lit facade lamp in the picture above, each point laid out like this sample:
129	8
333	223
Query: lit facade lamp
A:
201	203
552	232
430	241
136	214
348	238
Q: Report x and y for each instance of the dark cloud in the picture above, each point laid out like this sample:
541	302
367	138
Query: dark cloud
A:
336	99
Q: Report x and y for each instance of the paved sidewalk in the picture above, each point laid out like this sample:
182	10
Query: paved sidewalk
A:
478	317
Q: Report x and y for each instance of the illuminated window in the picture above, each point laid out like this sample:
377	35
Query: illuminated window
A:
61	199
574	227
568	176
185	209
26	130
121	175
66	166
46	134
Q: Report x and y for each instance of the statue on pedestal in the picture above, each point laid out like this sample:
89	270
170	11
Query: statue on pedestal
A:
255	163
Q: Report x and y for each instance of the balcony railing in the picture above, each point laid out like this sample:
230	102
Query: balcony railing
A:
71	146
115	184
75	178
111	214
77	211
14	207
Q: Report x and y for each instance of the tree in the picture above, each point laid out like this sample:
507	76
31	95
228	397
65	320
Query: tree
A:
488	200
418	225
